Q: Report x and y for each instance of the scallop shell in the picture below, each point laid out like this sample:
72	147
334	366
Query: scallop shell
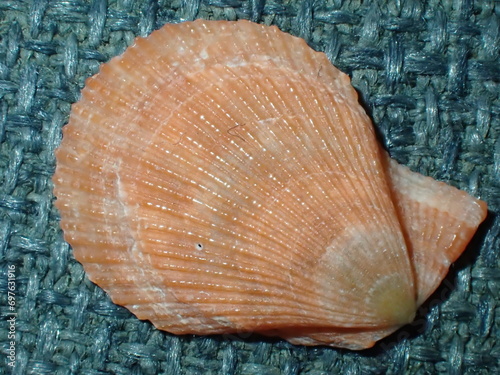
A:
221	177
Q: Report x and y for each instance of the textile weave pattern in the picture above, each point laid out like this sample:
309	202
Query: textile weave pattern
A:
428	74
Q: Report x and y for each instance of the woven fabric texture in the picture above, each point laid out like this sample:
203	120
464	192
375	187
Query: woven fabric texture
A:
429	75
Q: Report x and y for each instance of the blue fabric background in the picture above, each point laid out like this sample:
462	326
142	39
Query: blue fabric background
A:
428	73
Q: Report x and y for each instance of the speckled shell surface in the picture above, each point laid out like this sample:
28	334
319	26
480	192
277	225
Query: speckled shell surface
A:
221	177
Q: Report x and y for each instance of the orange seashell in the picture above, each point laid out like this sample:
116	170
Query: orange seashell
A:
221	177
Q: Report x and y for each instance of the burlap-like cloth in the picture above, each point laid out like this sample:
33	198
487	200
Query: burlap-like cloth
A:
429	76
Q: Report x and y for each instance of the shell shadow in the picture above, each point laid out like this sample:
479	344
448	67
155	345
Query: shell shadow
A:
368	108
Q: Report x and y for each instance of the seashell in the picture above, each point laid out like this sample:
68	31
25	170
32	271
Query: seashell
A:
222	177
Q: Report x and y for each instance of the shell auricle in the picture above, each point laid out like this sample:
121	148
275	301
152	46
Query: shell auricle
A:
222	177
